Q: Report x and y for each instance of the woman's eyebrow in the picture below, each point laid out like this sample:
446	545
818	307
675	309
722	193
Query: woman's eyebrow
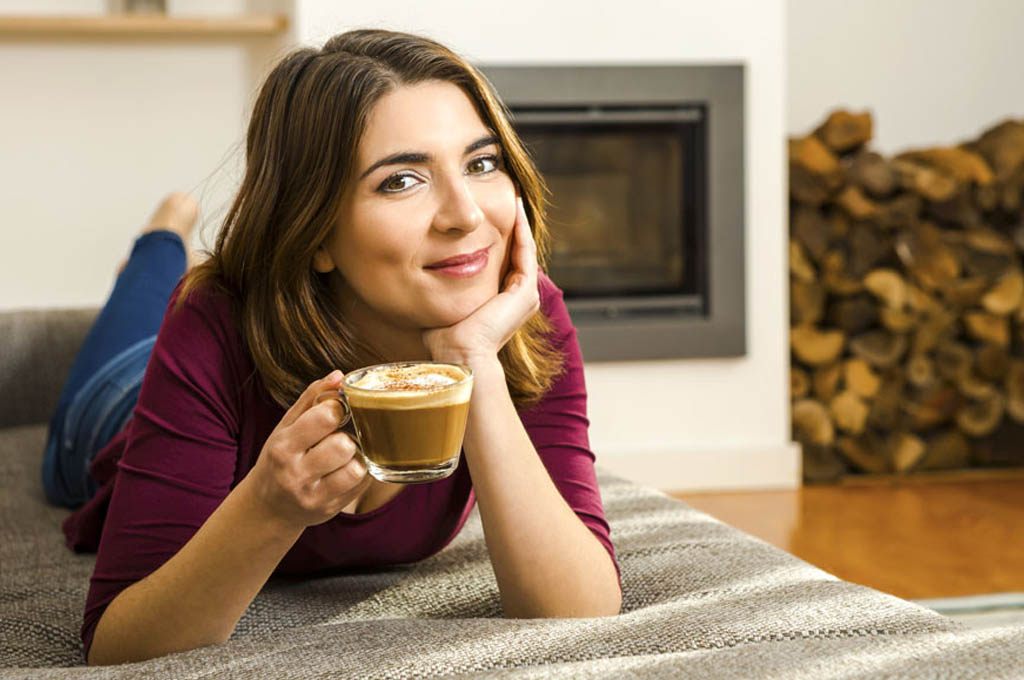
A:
481	143
403	157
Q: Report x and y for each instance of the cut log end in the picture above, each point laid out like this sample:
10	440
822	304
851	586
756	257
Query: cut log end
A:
815	347
905	450
988	328
979	418
1006	295
860	378
946	450
888	286
1015	390
844	131
825	381
879	348
848	412
863	453
811	423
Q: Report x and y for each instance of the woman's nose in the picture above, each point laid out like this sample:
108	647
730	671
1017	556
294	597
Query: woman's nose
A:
458	209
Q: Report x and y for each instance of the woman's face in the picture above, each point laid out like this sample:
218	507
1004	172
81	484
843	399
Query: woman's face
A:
424	228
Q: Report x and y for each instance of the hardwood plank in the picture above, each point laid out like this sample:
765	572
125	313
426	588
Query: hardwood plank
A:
941	538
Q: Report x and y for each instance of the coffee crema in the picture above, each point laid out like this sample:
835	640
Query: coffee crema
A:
410	386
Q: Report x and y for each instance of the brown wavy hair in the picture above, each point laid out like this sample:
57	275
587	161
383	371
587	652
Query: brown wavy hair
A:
300	155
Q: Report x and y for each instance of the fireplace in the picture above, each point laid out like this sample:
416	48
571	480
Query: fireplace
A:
645	168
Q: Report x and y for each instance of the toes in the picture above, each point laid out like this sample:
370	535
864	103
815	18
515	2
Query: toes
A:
177	212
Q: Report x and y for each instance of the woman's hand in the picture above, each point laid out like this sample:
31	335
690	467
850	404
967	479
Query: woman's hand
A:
480	335
308	469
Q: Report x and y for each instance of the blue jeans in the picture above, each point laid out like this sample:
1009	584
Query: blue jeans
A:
103	386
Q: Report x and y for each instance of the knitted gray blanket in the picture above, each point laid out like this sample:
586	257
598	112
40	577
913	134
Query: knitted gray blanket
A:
701	599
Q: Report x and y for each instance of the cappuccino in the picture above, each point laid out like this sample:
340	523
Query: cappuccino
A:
410	418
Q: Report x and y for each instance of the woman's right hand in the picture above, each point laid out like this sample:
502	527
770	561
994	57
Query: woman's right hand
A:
308	470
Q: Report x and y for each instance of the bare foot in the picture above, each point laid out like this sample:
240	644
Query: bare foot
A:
177	213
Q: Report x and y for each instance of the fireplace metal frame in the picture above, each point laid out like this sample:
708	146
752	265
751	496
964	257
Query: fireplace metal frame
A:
720	329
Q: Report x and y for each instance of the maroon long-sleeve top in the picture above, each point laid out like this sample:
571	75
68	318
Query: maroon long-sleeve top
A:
202	418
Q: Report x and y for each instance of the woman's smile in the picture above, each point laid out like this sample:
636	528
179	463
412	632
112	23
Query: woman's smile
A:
461	266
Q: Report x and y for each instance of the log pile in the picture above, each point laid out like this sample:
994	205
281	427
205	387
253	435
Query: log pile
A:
906	301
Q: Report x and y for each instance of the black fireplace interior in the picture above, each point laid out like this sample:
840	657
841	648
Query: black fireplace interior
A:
628	204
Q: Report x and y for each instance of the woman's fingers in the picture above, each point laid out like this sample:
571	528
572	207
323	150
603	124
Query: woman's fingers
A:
527	250
523	273
522	284
307	398
332	452
328	470
347	481
308	471
315	423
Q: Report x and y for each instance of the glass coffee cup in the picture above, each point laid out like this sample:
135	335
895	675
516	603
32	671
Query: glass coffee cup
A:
409	418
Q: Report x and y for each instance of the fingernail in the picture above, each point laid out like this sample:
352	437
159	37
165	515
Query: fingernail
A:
334	376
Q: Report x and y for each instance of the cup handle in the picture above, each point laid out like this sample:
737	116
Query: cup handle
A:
345	420
338	396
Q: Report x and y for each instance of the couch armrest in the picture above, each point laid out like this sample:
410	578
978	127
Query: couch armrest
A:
38	348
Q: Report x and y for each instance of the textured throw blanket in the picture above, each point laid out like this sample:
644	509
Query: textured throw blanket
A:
701	600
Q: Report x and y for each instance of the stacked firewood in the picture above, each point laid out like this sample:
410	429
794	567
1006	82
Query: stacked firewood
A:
907	301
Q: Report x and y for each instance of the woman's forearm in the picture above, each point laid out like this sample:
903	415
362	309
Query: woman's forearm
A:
546	561
197	597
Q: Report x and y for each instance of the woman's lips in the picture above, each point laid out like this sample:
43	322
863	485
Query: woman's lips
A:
461	265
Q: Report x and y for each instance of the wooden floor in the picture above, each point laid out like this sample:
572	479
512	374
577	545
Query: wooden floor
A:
913	539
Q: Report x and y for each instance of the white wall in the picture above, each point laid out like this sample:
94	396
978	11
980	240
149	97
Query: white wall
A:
700	423
933	72
95	131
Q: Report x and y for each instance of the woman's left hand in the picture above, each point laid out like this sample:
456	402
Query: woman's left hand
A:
480	335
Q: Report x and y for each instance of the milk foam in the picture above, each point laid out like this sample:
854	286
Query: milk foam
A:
389	380
410	386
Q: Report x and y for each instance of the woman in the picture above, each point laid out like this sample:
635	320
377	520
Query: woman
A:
388	212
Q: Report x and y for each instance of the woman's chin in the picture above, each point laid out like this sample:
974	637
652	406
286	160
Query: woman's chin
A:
449	316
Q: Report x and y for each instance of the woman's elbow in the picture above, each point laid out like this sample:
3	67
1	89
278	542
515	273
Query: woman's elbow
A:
612	606
608	605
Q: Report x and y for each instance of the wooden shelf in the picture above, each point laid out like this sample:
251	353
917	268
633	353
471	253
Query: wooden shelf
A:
129	25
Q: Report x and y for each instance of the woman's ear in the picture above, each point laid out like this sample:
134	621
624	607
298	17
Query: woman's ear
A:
322	262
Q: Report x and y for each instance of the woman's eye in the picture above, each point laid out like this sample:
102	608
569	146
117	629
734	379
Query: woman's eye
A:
483	165
395	183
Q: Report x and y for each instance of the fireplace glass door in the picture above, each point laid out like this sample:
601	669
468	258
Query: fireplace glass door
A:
627	204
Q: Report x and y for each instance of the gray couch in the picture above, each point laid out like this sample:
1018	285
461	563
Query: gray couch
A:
701	599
